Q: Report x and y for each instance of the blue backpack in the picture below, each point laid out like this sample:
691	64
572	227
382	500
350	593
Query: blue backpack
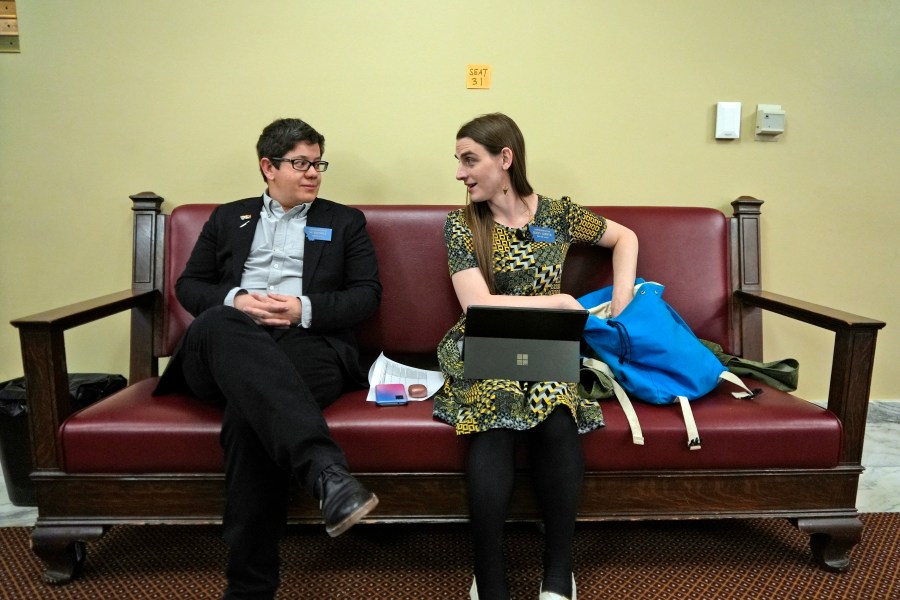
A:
650	353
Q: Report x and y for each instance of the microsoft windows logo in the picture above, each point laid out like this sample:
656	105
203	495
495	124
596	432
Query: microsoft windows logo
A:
522	360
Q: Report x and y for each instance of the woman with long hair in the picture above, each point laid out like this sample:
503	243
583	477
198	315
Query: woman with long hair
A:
507	247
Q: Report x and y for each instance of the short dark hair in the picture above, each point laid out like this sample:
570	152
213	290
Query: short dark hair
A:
280	136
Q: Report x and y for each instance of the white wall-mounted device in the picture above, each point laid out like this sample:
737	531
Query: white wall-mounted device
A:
769	121
728	120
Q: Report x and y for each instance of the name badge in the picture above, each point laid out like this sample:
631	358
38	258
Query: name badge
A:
542	234
318	233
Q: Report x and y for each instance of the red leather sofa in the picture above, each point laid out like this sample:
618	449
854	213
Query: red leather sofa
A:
134	458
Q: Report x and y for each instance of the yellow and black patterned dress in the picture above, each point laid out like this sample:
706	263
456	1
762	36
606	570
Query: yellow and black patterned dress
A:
522	267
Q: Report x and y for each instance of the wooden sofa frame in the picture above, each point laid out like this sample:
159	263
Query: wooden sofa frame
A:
76	508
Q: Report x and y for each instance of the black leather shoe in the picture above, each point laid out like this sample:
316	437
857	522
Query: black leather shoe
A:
343	500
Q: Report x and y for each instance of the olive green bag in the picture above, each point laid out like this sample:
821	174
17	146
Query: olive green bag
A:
780	374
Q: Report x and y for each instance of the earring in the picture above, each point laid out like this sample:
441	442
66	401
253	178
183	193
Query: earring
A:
505	189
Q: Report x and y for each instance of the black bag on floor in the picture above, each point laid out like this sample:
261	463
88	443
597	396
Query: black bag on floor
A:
84	389
15	437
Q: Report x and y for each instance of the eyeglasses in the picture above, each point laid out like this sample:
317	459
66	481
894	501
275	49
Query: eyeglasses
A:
303	165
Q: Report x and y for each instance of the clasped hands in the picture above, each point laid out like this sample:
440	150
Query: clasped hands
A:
271	310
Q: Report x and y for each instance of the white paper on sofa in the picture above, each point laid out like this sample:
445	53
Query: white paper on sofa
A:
385	370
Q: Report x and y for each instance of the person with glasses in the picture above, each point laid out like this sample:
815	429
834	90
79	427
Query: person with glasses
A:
507	247
276	283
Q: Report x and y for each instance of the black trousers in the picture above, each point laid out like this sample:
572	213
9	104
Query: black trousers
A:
274	384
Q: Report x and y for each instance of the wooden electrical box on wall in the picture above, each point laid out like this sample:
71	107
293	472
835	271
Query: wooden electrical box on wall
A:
9	27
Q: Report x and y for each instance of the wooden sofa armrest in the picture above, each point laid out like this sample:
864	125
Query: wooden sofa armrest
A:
44	360
852	363
814	314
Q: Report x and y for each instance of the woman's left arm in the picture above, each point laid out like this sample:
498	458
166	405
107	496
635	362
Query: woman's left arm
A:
624	245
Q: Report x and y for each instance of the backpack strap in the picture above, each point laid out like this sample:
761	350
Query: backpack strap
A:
692	433
637	436
691	425
747	394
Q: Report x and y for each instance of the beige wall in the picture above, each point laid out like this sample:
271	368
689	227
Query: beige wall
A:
616	100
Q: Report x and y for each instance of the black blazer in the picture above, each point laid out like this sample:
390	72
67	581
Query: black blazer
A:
340	276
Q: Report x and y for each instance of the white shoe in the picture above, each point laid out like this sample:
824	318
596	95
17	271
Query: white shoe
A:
473	592
554	596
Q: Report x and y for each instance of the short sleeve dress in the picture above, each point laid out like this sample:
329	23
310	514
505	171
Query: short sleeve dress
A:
522	267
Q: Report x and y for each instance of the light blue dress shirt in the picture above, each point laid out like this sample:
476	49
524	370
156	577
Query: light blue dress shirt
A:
275	262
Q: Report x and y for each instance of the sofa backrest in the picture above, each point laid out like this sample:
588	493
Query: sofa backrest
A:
418	304
182	230
686	249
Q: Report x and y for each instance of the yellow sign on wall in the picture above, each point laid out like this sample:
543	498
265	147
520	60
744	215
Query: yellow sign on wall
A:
478	77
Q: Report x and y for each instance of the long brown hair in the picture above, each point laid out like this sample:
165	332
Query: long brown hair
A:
494	131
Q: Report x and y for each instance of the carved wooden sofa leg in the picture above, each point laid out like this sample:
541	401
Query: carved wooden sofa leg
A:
831	539
63	549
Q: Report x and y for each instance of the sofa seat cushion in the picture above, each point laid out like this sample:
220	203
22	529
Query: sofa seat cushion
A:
135	432
774	430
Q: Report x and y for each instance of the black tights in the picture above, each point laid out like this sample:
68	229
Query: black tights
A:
557	466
